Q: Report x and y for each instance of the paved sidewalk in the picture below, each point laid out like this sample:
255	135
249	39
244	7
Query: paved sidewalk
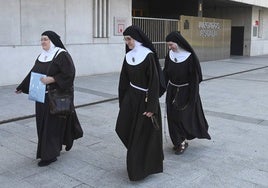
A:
236	108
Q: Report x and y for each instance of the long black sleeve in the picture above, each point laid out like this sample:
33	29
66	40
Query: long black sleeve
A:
123	83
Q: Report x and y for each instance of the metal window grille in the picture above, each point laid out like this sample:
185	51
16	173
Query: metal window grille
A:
101	21
157	29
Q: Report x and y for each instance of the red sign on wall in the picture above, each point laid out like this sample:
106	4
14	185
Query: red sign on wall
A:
121	28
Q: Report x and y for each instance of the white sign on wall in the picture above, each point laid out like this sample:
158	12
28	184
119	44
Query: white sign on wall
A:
119	25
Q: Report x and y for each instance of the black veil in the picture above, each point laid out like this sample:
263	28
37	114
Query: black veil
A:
137	33
176	37
55	38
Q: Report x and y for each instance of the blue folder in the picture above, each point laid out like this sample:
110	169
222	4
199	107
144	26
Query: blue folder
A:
37	89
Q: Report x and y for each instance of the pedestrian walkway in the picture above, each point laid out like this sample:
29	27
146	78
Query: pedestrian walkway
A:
235	105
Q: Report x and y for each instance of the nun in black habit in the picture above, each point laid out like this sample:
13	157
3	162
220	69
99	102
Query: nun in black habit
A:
139	120
53	131
186	119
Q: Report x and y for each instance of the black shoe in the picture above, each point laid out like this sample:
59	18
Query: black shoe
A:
46	162
181	148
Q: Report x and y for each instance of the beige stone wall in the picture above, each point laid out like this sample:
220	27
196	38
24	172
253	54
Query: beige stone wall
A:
209	37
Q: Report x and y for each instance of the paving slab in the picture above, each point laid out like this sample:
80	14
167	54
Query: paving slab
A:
236	108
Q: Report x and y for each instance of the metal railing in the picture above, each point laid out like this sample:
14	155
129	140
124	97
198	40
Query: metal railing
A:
157	29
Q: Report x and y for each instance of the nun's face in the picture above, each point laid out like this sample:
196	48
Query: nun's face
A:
130	42
173	46
45	42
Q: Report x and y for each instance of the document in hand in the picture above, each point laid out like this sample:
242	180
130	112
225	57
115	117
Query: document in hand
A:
37	89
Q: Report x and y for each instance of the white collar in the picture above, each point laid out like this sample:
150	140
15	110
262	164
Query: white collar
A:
179	56
48	55
137	54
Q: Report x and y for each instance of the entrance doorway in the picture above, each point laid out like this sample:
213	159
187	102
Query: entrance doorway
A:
237	40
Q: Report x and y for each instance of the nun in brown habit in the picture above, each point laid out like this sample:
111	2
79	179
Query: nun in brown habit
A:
53	131
186	119
139	120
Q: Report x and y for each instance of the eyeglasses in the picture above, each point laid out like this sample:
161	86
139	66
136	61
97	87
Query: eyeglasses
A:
44	39
127	39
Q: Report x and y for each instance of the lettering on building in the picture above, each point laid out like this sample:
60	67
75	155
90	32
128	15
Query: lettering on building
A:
209	29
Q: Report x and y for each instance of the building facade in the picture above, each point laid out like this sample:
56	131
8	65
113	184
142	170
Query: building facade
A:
91	30
249	24
249	19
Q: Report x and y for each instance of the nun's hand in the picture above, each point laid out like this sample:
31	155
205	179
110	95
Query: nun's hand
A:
47	80
148	114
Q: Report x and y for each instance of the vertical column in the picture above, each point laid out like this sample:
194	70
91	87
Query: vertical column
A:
100	20
260	23
96	18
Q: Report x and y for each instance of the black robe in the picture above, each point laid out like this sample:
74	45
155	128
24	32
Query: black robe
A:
136	131
186	119
54	131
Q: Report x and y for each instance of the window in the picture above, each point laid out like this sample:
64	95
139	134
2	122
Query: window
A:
255	31
101	18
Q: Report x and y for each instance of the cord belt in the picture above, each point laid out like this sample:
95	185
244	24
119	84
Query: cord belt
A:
139	88
181	85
